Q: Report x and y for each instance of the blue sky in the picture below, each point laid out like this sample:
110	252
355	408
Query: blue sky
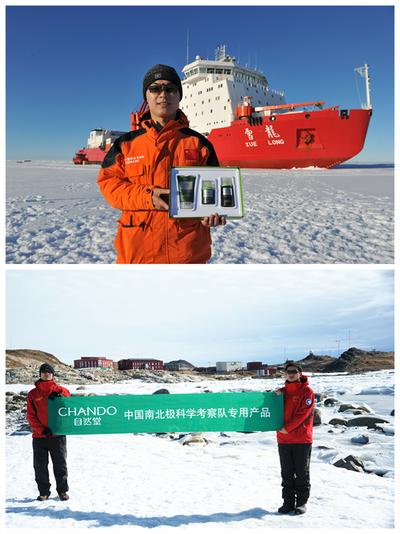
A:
201	316
71	69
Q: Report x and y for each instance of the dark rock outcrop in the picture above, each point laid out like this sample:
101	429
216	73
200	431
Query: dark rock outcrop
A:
365	420
360	440
338	421
317	417
352	463
330	401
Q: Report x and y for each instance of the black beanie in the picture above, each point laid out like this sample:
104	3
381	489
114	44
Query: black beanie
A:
46	368
161	72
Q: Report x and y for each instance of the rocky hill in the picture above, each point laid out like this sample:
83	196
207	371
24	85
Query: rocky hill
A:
316	364
356	360
23	357
22	367
353	360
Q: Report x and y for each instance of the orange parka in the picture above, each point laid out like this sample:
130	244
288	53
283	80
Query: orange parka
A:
138	162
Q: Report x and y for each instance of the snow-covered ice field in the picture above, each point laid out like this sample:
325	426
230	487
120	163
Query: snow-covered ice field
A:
55	214
148	481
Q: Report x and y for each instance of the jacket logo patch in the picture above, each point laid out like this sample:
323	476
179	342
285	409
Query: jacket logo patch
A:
134	159
192	154
308	402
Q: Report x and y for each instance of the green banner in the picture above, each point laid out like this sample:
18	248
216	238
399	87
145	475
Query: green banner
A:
194	412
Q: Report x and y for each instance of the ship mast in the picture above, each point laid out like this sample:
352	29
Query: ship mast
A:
363	72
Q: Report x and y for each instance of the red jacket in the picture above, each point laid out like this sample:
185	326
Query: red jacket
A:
137	163
298	412
36	410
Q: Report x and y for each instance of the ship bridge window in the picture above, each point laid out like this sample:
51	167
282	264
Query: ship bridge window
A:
218	71
210	71
227	71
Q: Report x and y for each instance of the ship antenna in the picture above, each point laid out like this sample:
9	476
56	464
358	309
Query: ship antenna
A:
187	46
363	72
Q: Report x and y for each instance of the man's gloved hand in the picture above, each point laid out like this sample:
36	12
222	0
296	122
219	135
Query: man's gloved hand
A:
54	395
47	432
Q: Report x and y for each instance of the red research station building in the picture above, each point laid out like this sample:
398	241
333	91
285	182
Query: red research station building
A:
262	369
253	366
93	361
141	363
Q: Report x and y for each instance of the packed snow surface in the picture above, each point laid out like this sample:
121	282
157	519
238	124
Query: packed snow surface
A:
154	482
56	214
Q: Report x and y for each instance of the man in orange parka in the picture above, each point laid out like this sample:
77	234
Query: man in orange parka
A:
44	441
295	440
135	178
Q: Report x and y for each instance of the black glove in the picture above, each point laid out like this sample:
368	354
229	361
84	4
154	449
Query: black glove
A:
54	395
47	432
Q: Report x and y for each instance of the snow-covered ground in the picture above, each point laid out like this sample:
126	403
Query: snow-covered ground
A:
55	214
148	481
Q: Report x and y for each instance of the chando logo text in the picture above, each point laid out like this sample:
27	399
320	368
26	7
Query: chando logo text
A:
94	410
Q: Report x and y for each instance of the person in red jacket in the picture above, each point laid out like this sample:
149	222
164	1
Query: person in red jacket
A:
134	178
295	440
43	440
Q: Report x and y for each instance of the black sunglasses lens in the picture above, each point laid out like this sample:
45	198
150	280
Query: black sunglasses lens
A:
158	89
292	372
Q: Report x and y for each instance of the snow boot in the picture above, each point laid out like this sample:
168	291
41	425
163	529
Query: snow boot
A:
63	496
286	508
43	497
299	510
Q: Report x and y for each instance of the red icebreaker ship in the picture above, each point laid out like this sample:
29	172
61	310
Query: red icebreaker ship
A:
251	125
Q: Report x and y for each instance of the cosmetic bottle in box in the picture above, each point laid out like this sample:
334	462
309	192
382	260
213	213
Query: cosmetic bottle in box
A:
227	195
208	192
186	190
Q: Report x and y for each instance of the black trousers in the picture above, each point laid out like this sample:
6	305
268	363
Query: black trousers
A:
57	447
295	472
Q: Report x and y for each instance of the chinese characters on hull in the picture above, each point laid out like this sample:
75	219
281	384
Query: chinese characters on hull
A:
273	138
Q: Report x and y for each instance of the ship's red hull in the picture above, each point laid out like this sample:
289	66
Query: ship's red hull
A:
87	156
322	138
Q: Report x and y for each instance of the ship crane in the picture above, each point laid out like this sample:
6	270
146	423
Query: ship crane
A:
245	109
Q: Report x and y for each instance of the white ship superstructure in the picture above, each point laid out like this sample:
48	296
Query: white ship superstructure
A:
100	137
212	89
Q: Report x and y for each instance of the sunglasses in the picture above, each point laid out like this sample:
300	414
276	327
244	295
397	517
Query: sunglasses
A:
292	371
158	89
